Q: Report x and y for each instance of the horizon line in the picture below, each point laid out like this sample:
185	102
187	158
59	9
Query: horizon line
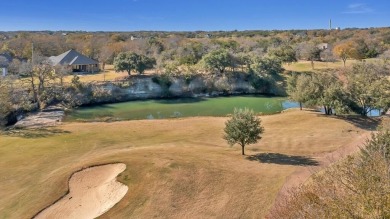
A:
233	30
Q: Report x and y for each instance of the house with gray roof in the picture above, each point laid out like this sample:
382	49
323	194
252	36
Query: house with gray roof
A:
5	61
75	60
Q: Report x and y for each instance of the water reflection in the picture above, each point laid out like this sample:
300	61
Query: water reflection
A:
372	113
150	116
289	104
176	114
375	112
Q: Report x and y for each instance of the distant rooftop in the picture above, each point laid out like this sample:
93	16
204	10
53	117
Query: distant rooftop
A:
5	60
72	57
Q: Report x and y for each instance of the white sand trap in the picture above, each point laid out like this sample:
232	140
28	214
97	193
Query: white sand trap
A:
92	192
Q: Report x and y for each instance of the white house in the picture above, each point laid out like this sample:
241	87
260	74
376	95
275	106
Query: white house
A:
323	46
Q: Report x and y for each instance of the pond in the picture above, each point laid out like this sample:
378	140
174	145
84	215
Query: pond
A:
373	112
182	107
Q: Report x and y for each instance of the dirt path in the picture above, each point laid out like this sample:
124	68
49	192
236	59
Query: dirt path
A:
303	173
92	192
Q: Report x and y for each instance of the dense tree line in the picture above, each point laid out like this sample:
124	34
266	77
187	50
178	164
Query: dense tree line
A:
360	89
188	48
196	52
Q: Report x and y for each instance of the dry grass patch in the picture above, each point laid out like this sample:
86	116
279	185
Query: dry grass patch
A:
108	74
305	66
175	168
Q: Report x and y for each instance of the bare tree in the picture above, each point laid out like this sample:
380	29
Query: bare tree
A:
27	74
14	66
61	71
38	74
310	52
106	53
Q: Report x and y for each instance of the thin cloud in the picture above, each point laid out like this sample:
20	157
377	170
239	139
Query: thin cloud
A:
358	8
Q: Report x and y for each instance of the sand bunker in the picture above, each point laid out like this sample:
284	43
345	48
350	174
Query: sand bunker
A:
92	192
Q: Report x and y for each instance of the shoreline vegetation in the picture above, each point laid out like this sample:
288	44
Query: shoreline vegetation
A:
164	64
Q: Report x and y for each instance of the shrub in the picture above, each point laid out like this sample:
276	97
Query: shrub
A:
358	187
259	83
222	84
164	80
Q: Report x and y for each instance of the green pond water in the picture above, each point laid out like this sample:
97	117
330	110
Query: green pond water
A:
176	108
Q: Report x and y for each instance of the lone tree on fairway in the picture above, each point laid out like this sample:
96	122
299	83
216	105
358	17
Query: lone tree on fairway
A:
243	128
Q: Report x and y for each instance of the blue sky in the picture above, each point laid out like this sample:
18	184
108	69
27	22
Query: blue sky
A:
177	15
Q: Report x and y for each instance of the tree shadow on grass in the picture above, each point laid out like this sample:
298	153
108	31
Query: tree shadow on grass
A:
283	159
33	133
362	122
367	123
